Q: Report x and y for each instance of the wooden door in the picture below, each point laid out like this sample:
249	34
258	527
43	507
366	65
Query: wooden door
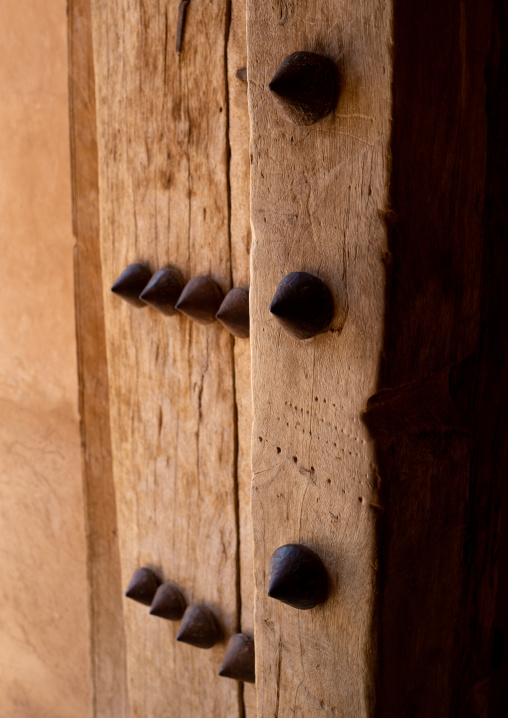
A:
379	443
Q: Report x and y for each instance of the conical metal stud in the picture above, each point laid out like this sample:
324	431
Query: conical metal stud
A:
199	627
239	660
163	290
303	305
297	577
233	313
168	602
241	74
200	300
143	585
131	283
304	88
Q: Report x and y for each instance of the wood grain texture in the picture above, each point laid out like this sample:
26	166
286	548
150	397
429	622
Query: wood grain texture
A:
107	651
164	197
318	194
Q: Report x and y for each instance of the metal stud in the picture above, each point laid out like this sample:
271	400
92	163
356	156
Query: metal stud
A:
303	305
200	300
233	313
168	602
304	88
199	627
142	586
163	290
131	283
297	577
241	74
239	659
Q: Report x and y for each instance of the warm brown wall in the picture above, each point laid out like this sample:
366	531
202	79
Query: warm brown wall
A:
43	601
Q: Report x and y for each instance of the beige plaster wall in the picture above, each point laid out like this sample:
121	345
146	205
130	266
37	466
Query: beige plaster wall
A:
43	589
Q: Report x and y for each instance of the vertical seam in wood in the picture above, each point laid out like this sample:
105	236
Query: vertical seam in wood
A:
241	704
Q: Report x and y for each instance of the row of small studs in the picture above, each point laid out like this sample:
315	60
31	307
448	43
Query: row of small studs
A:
201	299
199	628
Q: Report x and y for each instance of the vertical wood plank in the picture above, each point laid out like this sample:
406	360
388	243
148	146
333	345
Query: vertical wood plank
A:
318	195
107	657
163	168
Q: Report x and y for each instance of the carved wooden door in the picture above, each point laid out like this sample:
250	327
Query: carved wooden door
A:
377	443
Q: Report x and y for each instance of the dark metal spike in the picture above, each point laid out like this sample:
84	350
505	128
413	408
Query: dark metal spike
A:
163	290
241	74
303	305
239	659
142	586
304	87
131	283
200	299
297	577
199	627
233	313
168	602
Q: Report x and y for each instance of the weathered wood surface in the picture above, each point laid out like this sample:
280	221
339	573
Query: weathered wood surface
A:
407	629
107	657
318	195
176	388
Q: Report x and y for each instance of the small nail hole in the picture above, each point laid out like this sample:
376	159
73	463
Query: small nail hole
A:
278	449
295	459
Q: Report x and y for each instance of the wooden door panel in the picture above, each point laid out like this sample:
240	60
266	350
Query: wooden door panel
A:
379	443
175	397
318	196
400	184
